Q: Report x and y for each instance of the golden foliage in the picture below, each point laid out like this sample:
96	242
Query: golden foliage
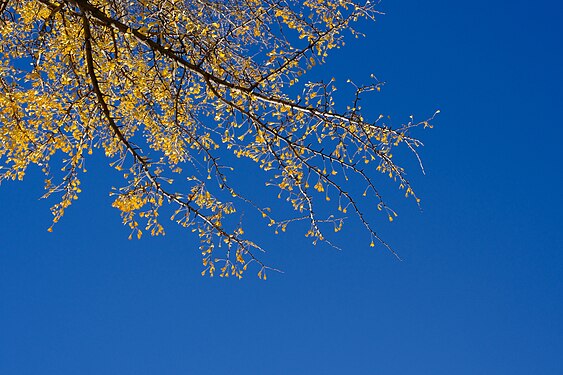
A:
163	86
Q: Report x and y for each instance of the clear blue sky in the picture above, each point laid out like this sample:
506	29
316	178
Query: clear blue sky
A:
480	290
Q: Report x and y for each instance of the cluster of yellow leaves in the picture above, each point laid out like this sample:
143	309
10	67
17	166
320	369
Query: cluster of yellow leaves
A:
163	87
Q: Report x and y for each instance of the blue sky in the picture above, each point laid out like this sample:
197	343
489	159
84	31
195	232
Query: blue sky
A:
480	289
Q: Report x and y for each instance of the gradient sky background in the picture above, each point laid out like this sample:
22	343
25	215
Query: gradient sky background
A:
480	290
